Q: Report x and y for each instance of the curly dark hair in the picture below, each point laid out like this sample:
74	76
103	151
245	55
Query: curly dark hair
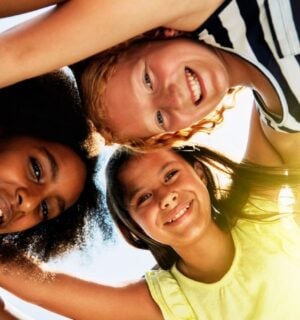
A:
49	108
226	200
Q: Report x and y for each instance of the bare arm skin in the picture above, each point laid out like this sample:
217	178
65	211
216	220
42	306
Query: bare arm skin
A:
286	144
269	147
4	314
78	28
10	8
79	299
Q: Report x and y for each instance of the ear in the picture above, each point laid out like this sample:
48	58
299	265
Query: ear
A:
200	172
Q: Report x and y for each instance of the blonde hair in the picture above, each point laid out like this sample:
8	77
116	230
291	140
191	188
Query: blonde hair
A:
96	74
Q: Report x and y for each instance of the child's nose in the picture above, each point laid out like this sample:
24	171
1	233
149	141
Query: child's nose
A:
170	200
28	200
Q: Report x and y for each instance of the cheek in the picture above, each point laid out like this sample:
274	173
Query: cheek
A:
205	204
25	222
165	65
72	188
76	190
12	174
144	219
11	163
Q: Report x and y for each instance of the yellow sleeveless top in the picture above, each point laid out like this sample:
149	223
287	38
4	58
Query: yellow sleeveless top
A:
262	283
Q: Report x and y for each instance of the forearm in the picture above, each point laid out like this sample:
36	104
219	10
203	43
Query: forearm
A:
269	147
259	149
287	145
78	299
10	8
5	314
79	28
56	292
69	33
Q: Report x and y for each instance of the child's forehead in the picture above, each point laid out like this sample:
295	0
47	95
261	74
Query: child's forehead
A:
148	165
157	158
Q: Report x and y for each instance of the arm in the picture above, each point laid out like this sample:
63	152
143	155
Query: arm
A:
269	147
78	28
9	8
287	145
5	314
79	299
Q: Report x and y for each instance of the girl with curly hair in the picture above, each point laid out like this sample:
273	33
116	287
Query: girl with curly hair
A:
48	197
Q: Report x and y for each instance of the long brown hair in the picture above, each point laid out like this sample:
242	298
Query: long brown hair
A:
227	200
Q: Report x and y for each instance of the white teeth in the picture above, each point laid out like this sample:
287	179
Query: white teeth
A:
1	213
194	84
179	214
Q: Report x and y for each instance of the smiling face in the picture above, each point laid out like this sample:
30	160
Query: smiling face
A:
38	181
166	197
164	86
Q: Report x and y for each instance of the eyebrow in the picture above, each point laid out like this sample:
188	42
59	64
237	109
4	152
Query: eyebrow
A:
135	191
53	164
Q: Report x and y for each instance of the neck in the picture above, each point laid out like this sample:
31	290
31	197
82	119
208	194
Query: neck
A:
243	73
209	258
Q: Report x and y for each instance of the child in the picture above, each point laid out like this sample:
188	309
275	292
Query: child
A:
155	106
48	195
227	246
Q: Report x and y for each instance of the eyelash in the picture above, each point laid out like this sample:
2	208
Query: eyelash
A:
44	210
171	174
147	80
148	83
37	172
36	169
143	198
160	119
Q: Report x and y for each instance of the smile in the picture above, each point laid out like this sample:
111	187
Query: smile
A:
180	213
194	85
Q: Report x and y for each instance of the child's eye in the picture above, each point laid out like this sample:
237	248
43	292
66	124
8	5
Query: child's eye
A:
44	210
36	169
160	119
169	175
147	80
143	198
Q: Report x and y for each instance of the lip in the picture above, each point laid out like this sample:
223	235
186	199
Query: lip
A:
175	216
201	85
6	212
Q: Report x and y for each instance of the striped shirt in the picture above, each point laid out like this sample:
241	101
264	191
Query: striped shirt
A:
266	34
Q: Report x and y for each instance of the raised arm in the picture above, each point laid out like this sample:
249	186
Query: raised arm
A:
10	8
79	299
78	28
287	145
269	147
5	314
